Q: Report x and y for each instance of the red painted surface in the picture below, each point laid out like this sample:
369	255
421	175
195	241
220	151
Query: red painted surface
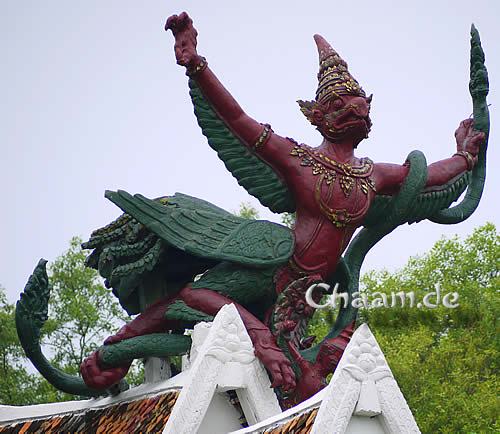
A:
327	211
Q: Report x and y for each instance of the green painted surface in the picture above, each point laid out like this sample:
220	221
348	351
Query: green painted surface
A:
152	345
252	173
479	88
181	311
177	237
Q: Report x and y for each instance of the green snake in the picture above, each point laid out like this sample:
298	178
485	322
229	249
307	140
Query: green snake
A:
412	203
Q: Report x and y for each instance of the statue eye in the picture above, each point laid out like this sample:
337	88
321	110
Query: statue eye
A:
337	104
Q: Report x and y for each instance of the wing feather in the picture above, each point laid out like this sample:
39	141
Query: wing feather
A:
425	205
209	234
253	174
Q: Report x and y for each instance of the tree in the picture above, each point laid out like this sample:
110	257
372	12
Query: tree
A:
445	360
288	219
17	385
15	381
82	312
248	211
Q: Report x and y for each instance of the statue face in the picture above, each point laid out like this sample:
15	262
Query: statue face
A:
347	116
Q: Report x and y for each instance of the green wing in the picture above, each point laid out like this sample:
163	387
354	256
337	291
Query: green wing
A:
424	205
214	235
254	175
178	237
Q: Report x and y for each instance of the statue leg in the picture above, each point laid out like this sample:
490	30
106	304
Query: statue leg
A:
266	348
152	320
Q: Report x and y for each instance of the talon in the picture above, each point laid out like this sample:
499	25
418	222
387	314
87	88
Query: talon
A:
114	339
171	22
97	378
289	382
277	377
184	18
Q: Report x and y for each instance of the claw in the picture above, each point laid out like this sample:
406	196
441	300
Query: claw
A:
114	339
170	24
97	378
289	382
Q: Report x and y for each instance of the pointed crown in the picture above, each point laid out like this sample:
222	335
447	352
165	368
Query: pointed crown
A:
334	78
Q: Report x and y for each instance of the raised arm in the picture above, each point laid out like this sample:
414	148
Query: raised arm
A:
258	137
389	177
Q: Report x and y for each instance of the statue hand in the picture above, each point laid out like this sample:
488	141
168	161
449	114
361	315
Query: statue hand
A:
97	378
275	361
468	139
185	38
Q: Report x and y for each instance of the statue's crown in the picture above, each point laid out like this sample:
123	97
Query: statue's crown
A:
334	78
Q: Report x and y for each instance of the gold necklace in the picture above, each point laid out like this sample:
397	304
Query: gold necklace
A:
330	169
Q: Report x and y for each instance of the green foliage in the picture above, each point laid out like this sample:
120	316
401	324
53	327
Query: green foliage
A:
321	323
445	360
82	312
17	385
14	379
288	219
247	211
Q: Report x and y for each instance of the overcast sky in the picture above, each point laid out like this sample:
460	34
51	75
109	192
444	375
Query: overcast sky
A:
94	100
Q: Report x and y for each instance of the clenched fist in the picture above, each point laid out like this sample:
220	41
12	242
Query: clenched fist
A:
185	39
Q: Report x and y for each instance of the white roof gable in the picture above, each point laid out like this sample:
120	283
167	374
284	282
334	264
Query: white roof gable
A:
363	385
224	361
362	397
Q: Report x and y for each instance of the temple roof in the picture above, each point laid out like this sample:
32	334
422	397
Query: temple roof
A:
299	424
141	415
223	388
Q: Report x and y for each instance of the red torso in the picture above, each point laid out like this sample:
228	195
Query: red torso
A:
331	201
319	243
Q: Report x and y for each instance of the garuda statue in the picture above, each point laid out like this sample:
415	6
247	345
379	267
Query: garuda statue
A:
177	260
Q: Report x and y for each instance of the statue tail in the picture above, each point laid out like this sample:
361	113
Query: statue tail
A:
31	315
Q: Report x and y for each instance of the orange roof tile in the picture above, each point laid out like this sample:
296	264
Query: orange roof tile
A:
299	424
142	415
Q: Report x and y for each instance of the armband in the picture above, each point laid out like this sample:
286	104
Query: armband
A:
469	158
198	66
263	137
